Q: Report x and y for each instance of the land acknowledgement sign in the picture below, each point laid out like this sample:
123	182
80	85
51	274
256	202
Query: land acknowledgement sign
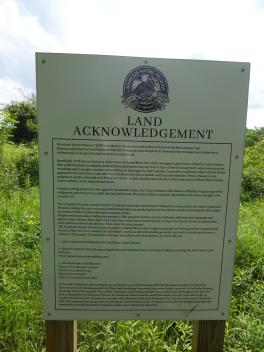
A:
140	168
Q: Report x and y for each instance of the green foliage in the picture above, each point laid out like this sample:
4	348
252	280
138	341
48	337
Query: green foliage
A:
18	167
134	336
19	124
20	283
245	329
8	173
253	136
253	172
18	163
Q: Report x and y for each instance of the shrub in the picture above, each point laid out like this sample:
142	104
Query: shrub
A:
253	175
19	121
19	167
27	166
8	176
8	172
254	136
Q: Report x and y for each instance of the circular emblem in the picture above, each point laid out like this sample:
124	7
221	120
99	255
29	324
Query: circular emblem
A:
145	89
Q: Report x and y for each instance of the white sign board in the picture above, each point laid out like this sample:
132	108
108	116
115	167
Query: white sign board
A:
140	168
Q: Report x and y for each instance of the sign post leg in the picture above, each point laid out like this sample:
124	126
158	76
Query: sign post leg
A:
208	335
61	336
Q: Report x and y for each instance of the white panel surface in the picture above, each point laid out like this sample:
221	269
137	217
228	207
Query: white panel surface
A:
140	169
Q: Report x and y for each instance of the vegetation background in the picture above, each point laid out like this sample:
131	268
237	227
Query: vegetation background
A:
21	320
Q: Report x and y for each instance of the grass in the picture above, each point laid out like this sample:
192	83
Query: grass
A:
245	330
135	336
20	280
22	328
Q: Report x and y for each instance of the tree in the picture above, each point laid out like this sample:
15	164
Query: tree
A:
253	136
20	120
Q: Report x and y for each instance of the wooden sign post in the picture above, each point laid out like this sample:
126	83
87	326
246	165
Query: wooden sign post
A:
61	335
208	335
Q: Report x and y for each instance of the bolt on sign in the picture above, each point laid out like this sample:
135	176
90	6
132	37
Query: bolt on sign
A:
140	169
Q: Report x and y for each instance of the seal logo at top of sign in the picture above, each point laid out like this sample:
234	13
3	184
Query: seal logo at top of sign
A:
145	89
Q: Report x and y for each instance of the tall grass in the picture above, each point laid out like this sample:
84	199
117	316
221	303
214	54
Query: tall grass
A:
21	322
20	280
245	330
